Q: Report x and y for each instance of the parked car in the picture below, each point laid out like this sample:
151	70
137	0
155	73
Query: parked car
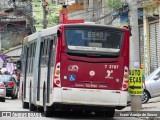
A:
2	91
151	88
11	84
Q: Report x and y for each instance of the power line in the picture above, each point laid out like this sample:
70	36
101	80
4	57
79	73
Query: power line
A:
89	10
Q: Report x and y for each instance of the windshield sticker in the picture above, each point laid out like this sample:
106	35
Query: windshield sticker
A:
109	72
73	68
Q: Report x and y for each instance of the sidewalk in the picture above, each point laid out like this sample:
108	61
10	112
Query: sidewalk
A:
152	105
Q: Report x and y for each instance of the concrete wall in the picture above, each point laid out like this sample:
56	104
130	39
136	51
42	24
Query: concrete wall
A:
15	51
93	11
10	39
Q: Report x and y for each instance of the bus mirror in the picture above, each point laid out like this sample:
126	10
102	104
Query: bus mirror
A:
58	33
19	65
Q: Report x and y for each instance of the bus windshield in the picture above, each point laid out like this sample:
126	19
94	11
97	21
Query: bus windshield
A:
94	40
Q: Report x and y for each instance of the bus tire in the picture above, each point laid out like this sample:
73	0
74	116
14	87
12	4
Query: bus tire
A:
99	114
40	109
47	109
3	99
25	105
32	107
110	113
12	97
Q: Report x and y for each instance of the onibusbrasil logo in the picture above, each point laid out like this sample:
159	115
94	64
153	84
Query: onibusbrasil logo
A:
20	114
19	3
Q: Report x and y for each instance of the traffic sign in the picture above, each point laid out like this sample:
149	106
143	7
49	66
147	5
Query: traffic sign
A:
135	82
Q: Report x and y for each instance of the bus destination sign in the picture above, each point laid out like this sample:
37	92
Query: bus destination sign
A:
96	35
135	82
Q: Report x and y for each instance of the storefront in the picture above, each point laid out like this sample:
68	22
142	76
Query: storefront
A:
154	45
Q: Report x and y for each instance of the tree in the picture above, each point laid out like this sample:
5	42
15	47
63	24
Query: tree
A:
55	18
114	4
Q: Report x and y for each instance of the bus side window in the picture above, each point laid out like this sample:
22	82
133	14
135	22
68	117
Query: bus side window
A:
41	53
48	50
53	50
32	57
34	50
44	52
28	59
30	65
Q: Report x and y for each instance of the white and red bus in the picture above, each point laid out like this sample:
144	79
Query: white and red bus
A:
76	67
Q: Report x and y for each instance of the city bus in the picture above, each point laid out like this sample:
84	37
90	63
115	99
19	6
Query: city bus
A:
71	67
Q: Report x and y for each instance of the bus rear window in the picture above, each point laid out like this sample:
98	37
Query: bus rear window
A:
94	40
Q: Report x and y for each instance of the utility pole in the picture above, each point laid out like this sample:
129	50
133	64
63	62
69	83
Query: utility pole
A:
136	103
91	10
44	4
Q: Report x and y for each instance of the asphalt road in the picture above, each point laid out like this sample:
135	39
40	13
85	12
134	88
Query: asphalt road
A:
14	108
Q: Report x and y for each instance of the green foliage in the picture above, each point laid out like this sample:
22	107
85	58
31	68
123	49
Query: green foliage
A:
55	18
52	16
114	4
6	48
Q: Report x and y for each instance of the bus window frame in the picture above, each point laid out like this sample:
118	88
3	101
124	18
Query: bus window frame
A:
82	52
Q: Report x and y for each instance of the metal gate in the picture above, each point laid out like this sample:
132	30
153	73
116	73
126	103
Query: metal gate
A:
154	46
141	45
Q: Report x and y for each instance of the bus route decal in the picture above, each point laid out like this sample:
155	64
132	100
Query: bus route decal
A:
109	72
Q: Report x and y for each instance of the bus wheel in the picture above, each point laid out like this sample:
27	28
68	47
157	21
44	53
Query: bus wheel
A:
25	105
3	99
47	109
40	109
99	114
32	107
110	113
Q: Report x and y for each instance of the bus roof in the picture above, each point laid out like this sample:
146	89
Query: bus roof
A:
94	25
49	31
53	30
44	32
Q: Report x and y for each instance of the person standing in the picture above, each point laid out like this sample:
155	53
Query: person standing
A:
143	78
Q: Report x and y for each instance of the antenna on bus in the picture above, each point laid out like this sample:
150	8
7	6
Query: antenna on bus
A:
64	17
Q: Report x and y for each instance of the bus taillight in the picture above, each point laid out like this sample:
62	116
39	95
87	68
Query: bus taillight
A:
125	79
57	81
2	86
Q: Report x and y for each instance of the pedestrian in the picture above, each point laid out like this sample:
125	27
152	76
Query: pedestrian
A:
143	78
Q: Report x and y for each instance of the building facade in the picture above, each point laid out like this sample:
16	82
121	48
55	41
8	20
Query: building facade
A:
12	27
95	11
150	30
149	33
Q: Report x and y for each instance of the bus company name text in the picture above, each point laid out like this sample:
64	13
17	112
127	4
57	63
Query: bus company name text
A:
20	114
